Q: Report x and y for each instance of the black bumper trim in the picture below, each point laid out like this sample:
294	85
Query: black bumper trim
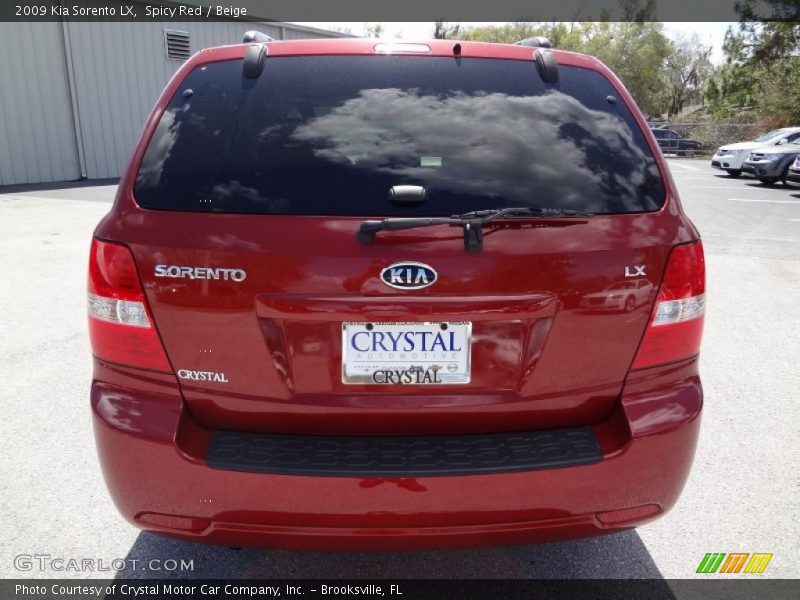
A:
403	456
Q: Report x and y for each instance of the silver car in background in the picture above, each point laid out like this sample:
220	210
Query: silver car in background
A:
771	164
731	157
794	172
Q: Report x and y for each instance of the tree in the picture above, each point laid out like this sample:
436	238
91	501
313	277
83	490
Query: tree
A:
686	69
731	86
768	10
561	35
443	31
635	51
638	10
762	70
373	30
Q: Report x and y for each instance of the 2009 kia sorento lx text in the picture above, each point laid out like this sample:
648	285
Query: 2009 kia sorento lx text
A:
337	302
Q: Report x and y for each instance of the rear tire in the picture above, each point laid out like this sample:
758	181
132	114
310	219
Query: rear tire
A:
734	174
768	181
785	176
630	304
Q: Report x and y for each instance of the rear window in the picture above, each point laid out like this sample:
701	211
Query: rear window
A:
330	135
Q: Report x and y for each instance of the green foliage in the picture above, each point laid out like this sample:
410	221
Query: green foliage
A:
508	33
779	101
373	30
635	51
762	71
443	31
686	69
768	10
732	86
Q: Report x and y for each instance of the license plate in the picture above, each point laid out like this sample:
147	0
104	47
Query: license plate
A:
406	353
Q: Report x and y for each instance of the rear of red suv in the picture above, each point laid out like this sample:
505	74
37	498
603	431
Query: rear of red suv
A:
345	299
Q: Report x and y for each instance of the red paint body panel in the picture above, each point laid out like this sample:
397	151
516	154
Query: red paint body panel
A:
540	360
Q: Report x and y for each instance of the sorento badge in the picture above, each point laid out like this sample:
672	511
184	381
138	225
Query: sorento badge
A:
408	275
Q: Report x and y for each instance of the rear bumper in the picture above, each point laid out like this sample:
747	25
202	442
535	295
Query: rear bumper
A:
153	452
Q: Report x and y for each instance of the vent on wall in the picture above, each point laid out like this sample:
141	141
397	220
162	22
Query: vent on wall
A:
177	44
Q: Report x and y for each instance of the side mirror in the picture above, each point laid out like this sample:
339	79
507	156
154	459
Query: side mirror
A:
782	142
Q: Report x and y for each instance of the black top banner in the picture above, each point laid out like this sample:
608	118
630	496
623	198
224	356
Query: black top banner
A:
401	10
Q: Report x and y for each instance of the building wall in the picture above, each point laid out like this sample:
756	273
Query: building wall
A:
37	137
115	72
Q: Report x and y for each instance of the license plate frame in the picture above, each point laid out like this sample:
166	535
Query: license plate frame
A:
409	367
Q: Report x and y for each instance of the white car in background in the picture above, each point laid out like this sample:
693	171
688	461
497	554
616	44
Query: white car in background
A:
620	296
731	157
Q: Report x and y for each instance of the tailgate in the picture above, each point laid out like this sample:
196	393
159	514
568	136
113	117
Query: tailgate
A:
265	352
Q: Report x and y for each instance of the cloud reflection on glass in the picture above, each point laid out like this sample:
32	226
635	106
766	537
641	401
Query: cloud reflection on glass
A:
493	145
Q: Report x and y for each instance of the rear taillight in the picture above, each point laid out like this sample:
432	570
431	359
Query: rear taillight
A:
120	326
676	323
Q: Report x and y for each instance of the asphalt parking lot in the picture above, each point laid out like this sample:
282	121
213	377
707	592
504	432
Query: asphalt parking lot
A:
743	494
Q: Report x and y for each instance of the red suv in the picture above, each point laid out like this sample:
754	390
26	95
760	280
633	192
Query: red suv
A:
341	302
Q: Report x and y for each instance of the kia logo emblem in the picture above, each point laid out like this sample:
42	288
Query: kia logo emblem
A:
408	275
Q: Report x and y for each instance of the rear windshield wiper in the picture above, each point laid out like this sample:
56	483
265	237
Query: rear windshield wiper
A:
471	222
